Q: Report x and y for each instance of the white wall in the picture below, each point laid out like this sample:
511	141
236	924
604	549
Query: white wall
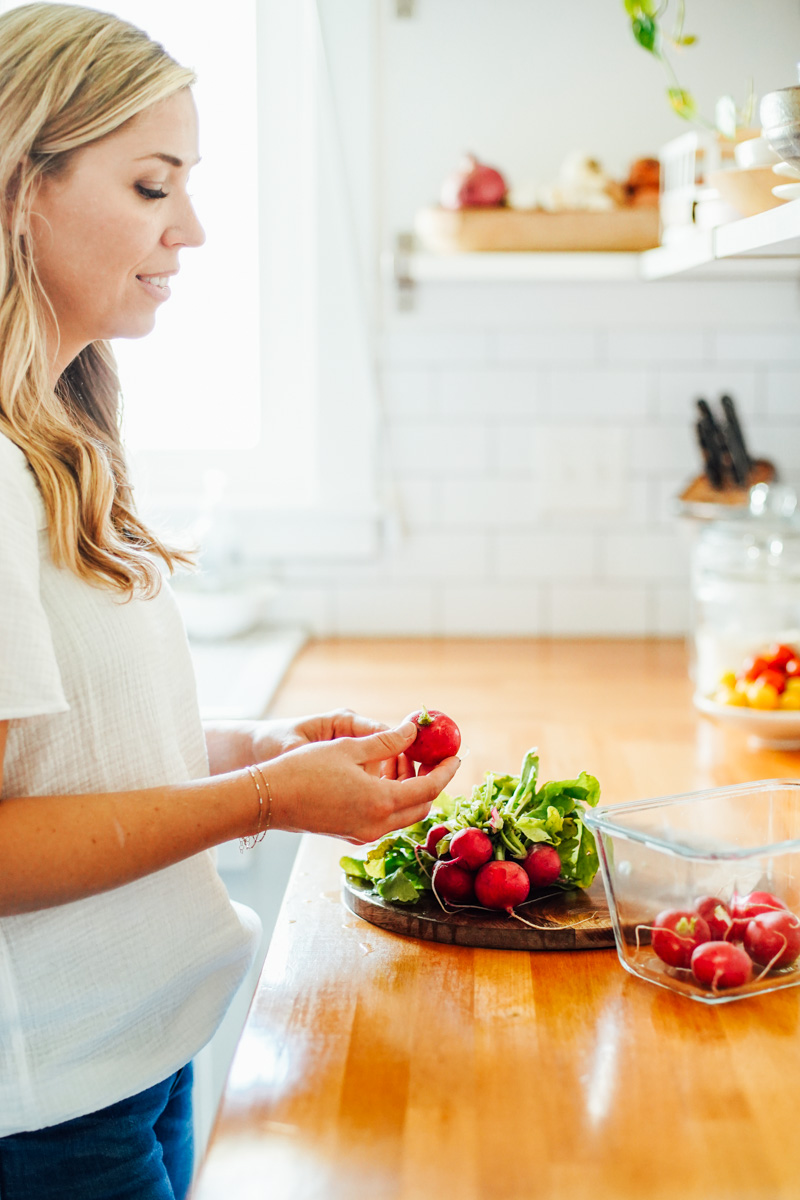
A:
499	400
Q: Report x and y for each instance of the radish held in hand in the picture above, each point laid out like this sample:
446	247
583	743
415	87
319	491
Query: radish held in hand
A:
715	914
501	885
773	938
435	835
438	737
542	865
471	848
721	965
453	883
676	934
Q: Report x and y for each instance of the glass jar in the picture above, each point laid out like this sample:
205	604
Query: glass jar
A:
745	584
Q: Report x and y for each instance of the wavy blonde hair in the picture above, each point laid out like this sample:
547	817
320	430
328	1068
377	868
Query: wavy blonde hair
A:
69	76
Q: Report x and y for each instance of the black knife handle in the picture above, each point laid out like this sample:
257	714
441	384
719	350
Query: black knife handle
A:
740	459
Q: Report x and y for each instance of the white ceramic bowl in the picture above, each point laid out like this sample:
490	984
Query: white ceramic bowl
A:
776	729
755	152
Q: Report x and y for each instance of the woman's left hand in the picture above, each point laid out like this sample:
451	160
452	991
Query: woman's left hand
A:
271	738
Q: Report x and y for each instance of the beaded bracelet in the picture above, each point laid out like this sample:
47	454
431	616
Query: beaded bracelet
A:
247	843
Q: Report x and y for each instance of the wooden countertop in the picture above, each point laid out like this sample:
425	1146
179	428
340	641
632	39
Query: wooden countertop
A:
375	1066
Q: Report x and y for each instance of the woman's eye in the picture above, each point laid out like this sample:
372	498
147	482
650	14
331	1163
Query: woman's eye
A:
150	193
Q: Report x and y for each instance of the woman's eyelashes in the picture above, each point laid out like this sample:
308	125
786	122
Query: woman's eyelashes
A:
151	193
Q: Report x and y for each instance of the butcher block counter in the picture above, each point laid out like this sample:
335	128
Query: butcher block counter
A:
380	1067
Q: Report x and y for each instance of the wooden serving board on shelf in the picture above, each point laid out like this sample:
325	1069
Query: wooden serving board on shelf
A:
444	231
577	920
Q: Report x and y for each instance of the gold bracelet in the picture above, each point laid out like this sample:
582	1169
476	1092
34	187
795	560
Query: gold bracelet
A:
269	801
248	843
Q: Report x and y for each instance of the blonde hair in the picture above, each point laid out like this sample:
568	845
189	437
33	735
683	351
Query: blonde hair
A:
69	76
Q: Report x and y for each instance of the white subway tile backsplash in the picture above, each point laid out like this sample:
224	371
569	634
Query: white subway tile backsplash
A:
544	346
488	503
677	391
662	346
762	346
646	556
430	447
534	440
385	611
599	395
783	394
492	392
550	556
599	609
493	611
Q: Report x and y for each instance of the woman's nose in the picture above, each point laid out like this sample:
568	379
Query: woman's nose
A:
187	232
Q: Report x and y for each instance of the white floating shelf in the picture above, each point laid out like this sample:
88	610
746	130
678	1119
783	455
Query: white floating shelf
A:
766	246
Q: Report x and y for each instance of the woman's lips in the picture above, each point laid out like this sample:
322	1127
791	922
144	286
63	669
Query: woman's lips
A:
157	291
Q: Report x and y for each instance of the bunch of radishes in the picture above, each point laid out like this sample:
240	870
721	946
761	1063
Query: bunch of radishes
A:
466	871
719	942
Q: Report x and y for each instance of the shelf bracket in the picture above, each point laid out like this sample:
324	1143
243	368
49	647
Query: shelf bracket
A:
404	248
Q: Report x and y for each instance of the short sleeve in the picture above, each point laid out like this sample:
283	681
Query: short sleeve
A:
30	681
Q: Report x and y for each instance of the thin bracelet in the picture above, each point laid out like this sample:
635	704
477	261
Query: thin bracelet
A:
247	843
265	781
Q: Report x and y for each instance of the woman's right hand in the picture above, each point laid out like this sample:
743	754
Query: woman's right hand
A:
331	787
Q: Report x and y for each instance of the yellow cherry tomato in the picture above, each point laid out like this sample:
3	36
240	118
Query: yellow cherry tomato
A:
729	695
790	700
728	680
763	695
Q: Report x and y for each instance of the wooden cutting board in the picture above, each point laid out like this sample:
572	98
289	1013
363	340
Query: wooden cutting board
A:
444	231
575	920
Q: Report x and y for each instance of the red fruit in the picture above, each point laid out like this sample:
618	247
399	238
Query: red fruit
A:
471	848
435	835
744	908
753	667
473	185
721	965
716	916
453	883
542	865
779	655
792	668
437	737
774	677
676	934
501	885
773	938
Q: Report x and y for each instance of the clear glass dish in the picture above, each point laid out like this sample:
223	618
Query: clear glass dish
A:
665	853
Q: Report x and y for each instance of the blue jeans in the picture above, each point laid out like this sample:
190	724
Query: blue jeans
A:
139	1149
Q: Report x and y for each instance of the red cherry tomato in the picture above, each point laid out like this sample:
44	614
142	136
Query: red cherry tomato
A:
779	654
792	667
753	667
776	678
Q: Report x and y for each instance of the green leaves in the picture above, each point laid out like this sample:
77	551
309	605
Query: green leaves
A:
682	102
511	811
645	31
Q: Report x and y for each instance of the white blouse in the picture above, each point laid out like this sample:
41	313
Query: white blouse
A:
103	997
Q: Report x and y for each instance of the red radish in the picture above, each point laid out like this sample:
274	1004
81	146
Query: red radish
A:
542	865
435	835
471	848
501	885
721	965
744	908
773	938
437	737
676	934
473	185
453	883
715	914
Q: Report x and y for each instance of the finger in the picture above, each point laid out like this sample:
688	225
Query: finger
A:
389	768
388	743
409	816
350	724
439	776
405	767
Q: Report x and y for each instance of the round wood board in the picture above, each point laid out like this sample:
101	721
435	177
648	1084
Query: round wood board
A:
574	920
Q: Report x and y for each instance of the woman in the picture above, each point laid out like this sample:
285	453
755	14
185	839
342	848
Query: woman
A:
119	948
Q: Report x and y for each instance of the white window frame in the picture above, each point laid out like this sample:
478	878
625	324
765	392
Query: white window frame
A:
318	243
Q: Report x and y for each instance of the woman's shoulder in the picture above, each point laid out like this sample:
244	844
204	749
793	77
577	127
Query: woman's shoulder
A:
18	482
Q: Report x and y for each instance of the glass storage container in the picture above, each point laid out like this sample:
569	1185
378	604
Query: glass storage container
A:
666	853
745	584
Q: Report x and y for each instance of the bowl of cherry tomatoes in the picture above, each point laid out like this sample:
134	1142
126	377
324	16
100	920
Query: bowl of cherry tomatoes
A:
761	697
